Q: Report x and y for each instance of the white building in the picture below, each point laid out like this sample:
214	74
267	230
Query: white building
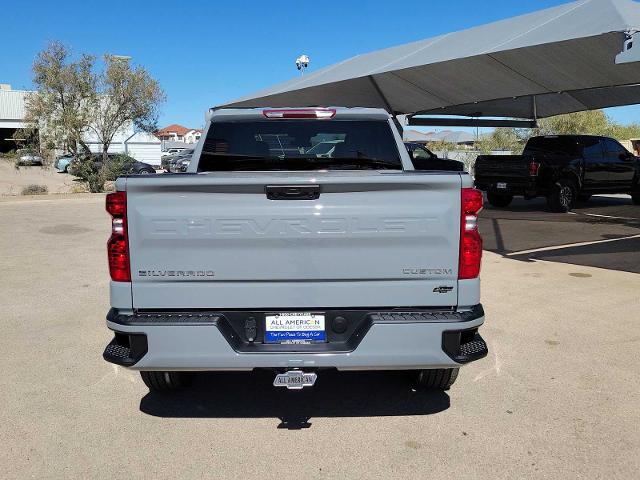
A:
192	136
178	133
142	146
12	111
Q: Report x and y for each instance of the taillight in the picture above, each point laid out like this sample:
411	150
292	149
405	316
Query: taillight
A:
470	240
300	113
118	244
533	169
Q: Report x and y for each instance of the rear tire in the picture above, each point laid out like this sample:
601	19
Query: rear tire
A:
500	201
165	381
562	197
438	378
635	198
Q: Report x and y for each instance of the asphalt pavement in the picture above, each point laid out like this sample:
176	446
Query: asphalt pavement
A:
557	397
604	232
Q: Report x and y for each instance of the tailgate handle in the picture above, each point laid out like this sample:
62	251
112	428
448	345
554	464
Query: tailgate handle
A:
293	192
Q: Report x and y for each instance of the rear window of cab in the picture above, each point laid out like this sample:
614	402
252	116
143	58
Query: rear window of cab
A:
299	144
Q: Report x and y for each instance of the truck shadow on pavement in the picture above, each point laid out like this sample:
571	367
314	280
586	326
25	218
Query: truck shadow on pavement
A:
335	394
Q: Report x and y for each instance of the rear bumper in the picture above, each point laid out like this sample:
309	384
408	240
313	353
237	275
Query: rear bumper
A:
382	341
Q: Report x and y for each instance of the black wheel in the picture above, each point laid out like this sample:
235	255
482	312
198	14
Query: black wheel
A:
635	198
439	378
146	171
584	197
498	200
165	381
563	196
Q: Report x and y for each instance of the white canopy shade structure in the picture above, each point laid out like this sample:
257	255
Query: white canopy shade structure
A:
554	61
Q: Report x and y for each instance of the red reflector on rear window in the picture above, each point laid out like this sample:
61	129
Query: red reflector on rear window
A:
300	113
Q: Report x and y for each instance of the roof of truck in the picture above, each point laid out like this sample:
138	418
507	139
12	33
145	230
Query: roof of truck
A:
341	112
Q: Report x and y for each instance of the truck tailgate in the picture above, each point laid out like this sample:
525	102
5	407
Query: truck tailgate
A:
502	166
371	239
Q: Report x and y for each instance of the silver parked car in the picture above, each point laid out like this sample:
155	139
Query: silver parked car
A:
179	162
181	165
26	156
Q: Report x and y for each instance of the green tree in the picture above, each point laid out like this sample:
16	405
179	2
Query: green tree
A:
96	174
125	96
624	132
73	97
60	109
443	147
508	139
590	122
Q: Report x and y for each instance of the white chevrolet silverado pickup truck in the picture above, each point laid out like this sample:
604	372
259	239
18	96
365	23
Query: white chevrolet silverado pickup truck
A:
266	255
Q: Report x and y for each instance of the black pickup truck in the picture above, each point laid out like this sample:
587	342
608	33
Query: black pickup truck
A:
563	168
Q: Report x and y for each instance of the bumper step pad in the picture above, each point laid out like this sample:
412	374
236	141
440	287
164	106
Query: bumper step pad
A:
475	347
126	349
116	351
464	346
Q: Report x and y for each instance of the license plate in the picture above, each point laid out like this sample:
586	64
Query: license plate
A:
501	185
294	327
295	380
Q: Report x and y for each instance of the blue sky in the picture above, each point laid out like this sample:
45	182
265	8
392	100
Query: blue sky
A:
204	53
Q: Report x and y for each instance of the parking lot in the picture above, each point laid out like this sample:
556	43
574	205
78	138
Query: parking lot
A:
557	397
604	232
